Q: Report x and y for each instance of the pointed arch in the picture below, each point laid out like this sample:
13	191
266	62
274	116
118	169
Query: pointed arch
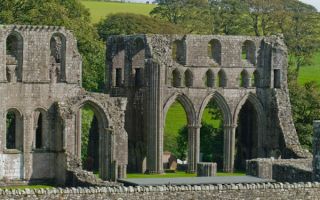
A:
14	57
222	104
186	104
176	78
209	79
261	116
222	78
249	52
188	78
244	79
214	50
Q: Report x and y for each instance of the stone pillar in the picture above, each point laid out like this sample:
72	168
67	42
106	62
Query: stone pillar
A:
193	147
28	138
107	165
153	122
206	169
316	150
229	147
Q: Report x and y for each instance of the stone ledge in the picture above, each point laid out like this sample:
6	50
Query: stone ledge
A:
139	189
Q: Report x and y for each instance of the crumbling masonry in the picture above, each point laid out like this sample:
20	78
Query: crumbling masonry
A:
245	75
41	98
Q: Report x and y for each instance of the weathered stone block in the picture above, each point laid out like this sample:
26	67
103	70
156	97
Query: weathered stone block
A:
206	169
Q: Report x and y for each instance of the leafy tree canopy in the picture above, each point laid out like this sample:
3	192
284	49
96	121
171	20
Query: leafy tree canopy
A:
128	24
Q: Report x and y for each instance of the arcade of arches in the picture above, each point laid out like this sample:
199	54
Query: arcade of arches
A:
229	145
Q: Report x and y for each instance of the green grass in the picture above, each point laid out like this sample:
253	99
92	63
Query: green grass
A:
22	187
312	72
179	174
100	10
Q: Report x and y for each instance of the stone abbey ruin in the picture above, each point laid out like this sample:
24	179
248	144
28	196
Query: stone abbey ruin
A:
42	97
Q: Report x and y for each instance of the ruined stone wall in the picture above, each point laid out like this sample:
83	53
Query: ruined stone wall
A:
282	170
40	70
263	191
193	69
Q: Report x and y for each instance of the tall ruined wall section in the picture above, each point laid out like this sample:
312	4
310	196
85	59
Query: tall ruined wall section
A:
40	72
157	70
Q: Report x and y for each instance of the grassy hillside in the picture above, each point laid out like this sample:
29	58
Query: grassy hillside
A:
99	9
312	72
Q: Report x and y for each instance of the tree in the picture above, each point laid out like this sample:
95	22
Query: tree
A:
192	15
228	17
211	143
305	101
72	15
128	24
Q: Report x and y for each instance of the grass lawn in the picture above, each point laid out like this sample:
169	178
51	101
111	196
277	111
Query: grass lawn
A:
179	174
21	187
312	72
100	9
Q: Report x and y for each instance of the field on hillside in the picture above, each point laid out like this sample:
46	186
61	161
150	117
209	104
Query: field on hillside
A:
312	72
100	10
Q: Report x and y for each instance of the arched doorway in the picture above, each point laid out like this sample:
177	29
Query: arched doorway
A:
180	104
247	135
175	138
93	140
221	120
211	134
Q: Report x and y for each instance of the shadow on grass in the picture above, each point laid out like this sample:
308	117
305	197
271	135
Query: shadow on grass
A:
179	174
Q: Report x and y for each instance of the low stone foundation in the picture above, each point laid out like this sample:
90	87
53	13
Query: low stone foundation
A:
233	191
283	170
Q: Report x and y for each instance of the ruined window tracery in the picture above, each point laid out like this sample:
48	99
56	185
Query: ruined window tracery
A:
222	79
214	50
13	130
40	129
176	78
118	77
57	54
138	79
210	79
277	78
244	79
256	79
14	57
178	51
188	78
249	52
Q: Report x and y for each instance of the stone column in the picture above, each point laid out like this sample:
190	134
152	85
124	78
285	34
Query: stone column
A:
229	147
193	147
27	140
153	125
106	159
316	150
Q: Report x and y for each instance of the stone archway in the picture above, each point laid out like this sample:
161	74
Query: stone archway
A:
191	124
228	128
70	113
250	119
103	139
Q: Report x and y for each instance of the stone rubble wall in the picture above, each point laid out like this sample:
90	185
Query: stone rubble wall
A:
267	191
282	170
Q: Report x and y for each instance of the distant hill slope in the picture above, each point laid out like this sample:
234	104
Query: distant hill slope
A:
311	73
100	9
